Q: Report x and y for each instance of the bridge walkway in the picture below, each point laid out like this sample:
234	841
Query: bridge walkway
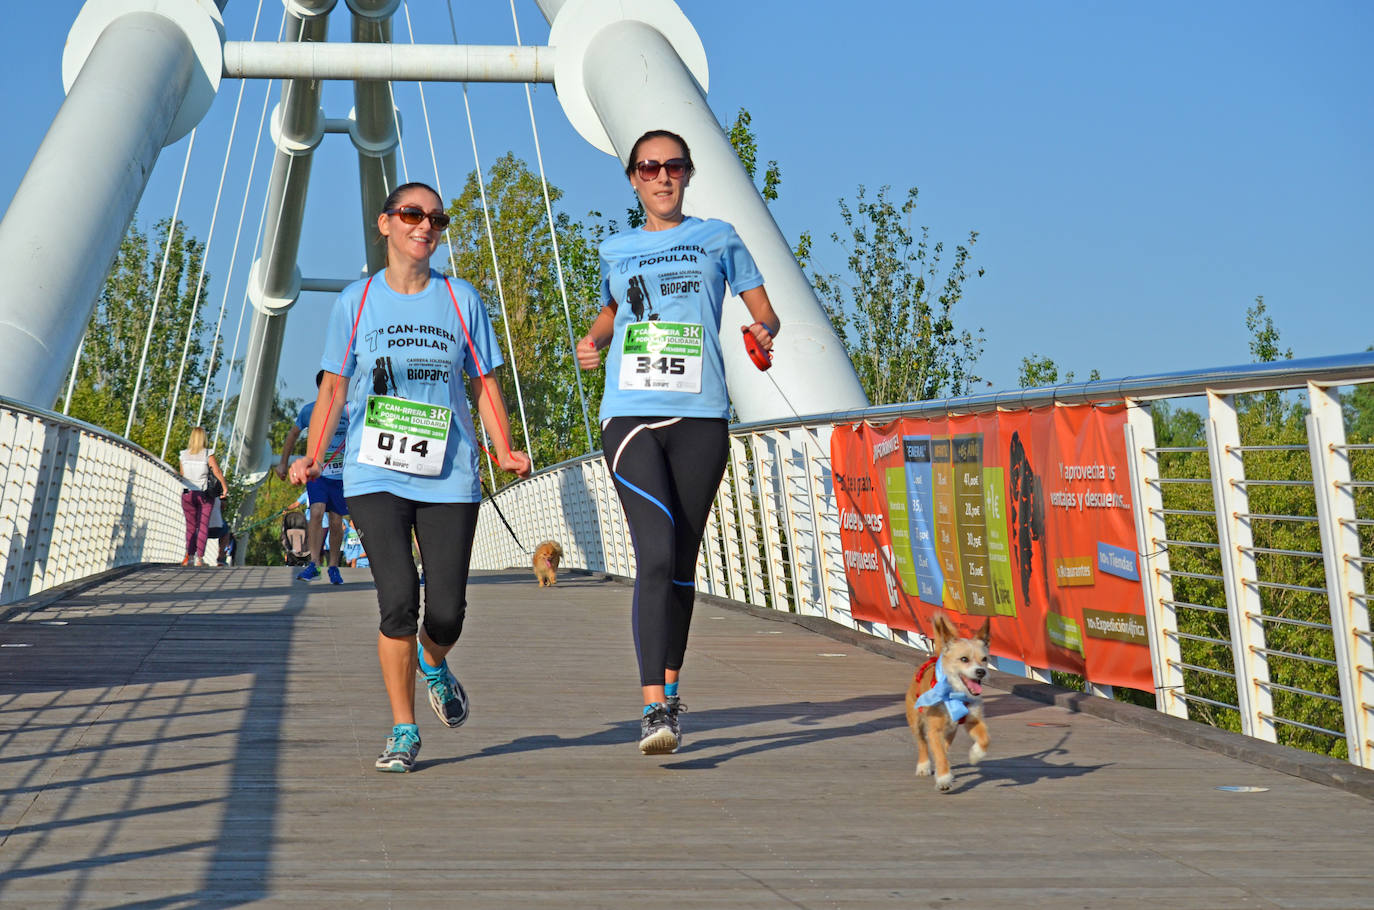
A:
204	738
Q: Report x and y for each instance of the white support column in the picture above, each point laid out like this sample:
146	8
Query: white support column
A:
1243	604
1156	586
1340	537
625	68
139	75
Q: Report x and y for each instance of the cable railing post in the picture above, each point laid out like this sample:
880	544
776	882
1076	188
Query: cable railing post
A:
1156	586
1239	572
1345	586
770	467
749	529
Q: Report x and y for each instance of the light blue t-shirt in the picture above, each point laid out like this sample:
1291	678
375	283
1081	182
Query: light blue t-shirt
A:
673	276
330	467
412	346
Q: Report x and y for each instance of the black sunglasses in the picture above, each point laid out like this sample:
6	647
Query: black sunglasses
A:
411	214
677	168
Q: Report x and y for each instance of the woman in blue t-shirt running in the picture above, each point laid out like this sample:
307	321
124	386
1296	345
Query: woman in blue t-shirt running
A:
396	350
664	411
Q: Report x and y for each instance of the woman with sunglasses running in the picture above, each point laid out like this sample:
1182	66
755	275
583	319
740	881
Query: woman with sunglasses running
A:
396	349
664	411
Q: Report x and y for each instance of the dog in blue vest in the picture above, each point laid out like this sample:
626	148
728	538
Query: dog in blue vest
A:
946	692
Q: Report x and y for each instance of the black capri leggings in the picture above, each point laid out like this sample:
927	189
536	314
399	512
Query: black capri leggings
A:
667	471
445	532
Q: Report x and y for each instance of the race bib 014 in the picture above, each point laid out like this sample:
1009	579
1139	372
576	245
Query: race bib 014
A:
406	436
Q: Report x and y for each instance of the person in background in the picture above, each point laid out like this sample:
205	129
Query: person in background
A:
326	494
198	465
219	531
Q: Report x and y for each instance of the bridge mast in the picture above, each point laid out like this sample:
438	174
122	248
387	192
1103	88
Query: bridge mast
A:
139	74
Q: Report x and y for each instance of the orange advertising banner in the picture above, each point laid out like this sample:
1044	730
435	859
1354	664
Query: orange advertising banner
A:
1022	517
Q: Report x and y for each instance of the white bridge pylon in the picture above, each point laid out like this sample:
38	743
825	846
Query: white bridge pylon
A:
140	74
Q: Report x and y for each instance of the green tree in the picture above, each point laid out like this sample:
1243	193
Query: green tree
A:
1039	370
257	510
746	146
893	310
110	355
538	335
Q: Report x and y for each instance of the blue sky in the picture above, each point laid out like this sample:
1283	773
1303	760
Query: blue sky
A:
1137	173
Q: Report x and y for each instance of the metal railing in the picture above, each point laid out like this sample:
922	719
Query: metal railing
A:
1256	532
76	500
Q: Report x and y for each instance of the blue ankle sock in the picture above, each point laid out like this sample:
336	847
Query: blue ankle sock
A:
425	666
670	690
648	708
401	728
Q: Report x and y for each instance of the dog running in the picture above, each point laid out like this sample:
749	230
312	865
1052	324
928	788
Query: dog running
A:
546	558
947	691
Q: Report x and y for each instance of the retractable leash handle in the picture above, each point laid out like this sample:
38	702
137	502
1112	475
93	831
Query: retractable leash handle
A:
763	359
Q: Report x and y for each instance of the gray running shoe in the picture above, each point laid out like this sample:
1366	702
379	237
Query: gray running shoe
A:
446	694
676	707
402	748
656	734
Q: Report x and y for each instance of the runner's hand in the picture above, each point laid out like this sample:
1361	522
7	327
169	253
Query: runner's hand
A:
281	471
518	463
761	335
588	357
303	470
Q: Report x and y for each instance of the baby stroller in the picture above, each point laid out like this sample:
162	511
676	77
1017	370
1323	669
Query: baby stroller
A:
293	525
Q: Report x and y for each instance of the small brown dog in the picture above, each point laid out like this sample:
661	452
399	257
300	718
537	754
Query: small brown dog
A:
546	558
947	691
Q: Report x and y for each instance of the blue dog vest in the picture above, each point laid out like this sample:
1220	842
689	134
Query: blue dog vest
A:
943	693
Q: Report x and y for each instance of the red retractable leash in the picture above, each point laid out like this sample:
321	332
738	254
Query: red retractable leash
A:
763	358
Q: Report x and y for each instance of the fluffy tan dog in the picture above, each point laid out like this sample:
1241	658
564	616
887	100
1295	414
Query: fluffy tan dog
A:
947	691
546	558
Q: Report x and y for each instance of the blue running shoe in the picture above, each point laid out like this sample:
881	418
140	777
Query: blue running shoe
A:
402	748
335	578
446	695
309	573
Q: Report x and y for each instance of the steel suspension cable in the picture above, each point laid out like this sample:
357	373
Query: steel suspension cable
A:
161	278
205	252
448	236
491	241
233	258
396	121
71	381
553	238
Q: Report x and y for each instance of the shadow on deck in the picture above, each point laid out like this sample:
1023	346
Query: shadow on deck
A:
183	738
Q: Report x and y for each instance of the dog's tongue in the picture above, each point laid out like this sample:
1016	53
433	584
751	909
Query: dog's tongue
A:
974	686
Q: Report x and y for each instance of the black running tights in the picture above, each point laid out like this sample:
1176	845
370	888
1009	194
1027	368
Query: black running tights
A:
667	471
444	531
